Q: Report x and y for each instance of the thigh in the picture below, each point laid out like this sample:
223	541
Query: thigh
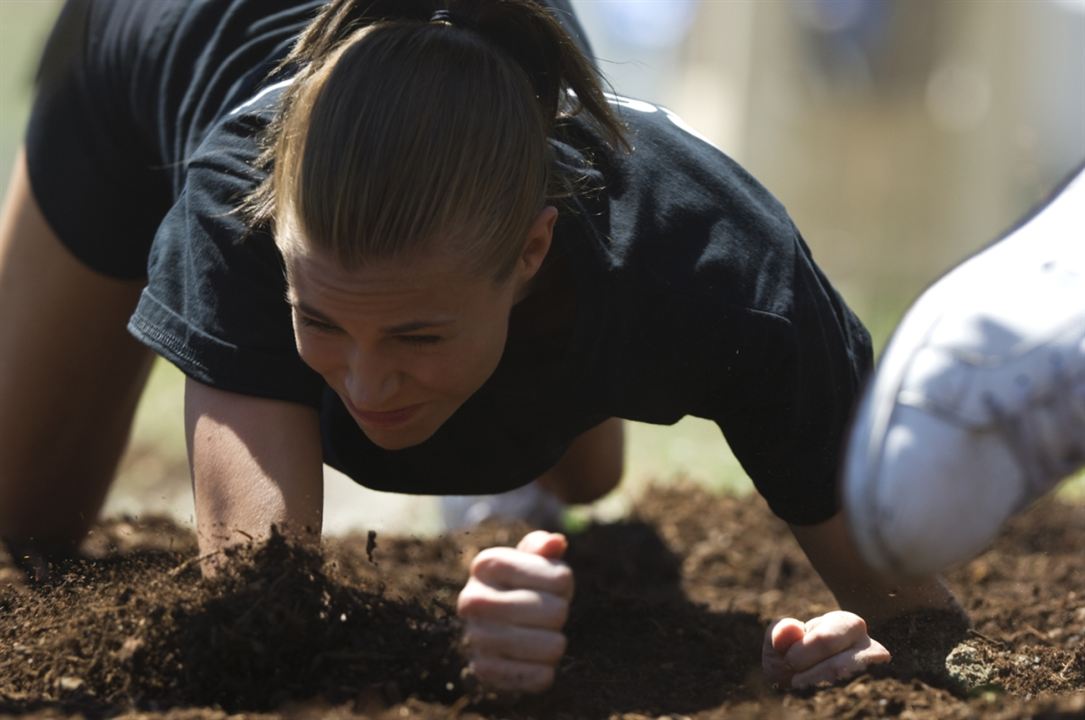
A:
70	376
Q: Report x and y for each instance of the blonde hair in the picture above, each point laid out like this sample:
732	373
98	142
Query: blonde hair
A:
402	133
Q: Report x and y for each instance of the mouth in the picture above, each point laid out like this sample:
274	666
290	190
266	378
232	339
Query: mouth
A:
383	418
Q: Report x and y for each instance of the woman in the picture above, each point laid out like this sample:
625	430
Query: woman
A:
420	245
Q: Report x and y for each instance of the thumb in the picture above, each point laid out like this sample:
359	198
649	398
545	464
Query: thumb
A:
786	633
546	544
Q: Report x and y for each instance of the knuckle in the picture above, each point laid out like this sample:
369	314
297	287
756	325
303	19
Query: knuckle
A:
848	620
843	668
476	637
558	644
564	582
499	674
558	614
819	643
489	563
538	680
486	669
473	603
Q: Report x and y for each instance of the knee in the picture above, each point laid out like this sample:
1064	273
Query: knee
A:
581	487
604	478
47	509
592	467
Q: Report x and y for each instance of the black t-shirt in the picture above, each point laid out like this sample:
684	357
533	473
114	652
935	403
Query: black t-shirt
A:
676	286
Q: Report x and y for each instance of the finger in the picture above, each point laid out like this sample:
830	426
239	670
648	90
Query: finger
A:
509	569
779	636
511	642
786	633
814	622
525	608
776	671
832	634
843	665
504	674
546	544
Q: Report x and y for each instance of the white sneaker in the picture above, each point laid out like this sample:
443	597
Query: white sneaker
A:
978	404
530	503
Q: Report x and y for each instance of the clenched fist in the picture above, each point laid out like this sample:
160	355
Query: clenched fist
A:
514	607
828	648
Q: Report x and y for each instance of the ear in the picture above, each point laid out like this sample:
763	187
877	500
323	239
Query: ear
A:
537	245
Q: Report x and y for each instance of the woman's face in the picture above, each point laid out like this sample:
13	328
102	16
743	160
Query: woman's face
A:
404	343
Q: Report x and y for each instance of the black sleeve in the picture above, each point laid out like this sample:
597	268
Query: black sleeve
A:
215	303
787	390
734	321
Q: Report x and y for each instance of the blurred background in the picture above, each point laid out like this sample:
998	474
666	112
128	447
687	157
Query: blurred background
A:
902	135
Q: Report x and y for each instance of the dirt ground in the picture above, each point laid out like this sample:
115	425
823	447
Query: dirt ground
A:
667	621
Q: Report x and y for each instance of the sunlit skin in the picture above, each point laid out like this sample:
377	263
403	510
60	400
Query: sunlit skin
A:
825	649
405	342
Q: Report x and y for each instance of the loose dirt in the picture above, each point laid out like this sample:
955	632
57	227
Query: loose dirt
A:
668	618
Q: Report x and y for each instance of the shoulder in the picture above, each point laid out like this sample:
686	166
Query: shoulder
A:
225	160
681	169
679	219
700	263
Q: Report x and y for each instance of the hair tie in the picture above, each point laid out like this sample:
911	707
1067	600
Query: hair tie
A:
443	16
450	17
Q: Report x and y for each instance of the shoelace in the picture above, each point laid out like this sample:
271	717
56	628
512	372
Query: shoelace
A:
1046	433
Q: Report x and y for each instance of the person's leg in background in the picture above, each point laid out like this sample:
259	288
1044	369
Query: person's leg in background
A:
978	403
590	468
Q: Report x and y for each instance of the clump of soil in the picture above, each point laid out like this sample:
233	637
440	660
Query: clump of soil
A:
670	609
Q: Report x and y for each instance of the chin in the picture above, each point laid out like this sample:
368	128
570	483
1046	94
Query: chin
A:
395	439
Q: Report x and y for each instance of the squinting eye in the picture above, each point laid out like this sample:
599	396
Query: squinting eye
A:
317	324
420	339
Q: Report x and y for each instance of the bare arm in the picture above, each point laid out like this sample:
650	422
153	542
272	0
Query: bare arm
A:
859	589
255	463
837	645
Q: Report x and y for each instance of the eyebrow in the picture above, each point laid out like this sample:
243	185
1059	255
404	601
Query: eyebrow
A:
401	329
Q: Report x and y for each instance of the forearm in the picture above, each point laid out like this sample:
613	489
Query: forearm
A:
880	618
235	504
859	589
255	464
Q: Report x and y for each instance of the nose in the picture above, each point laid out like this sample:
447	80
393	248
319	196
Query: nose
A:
372	380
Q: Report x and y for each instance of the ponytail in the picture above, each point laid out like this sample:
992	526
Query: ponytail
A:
523	29
391	102
532	37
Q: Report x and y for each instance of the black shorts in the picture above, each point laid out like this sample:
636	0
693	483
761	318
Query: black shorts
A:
94	165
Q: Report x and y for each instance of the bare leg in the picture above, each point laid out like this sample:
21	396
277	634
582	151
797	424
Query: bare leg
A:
70	378
591	467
